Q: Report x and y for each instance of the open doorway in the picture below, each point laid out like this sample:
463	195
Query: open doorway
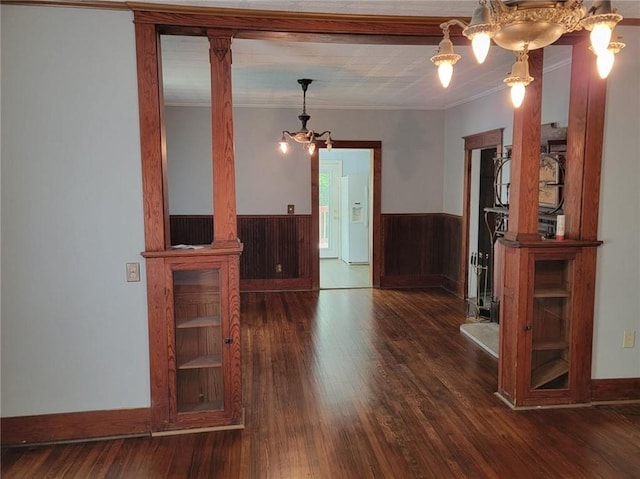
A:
345	217
372	215
480	275
479	152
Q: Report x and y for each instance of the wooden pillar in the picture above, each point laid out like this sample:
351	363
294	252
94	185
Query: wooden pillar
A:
224	183
525	163
584	145
152	138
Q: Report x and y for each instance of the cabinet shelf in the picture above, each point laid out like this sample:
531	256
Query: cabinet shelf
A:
548	372
208	361
550	345
551	293
199	322
201	406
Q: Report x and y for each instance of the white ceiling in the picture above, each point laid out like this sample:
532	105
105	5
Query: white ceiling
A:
359	76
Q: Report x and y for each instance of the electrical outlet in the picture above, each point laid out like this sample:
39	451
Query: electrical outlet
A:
133	272
629	339
278	268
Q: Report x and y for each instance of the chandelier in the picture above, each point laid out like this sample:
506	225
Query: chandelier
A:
524	25
308	138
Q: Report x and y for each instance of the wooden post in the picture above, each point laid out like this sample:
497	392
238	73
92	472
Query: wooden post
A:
224	183
525	165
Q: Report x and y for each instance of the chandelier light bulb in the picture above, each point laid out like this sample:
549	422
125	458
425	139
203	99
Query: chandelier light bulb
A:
445	59
284	146
445	72
312	148
481	43
600	38
605	63
517	94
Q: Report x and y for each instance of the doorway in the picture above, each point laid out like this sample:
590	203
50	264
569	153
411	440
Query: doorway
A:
367	213
491	142
345	217
480	276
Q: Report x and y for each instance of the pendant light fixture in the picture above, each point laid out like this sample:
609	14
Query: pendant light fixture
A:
308	138
524	25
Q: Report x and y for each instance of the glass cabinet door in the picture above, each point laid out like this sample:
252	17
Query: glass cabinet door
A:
198	340
551	324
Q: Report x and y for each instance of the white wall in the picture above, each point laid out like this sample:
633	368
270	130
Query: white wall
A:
74	332
266	180
190	171
618	281
618	278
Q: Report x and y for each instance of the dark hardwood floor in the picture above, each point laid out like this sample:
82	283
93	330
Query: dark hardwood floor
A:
363	384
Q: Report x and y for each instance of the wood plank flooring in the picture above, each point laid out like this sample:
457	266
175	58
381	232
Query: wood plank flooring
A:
363	384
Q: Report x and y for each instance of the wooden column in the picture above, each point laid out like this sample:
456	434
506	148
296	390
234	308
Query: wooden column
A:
152	138
525	165
224	183
584	145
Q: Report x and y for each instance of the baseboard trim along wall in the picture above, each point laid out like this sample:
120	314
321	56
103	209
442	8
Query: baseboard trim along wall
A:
616	389
75	426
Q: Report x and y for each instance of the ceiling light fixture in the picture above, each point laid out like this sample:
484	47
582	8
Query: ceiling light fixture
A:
308	138
524	25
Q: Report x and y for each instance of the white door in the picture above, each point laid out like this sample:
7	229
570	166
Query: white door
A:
329	194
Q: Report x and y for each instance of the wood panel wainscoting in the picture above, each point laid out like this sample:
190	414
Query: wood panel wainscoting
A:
421	250
276	253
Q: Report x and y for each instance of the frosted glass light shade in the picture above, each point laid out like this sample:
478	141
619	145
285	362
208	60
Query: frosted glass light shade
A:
481	43
517	94
284	146
605	63
600	38
445	72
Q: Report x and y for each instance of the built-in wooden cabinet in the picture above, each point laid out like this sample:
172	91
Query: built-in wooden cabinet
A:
546	316
195	342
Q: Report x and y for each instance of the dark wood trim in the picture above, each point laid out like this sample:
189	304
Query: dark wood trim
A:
377	253
454	286
284	284
426	30
152	139
615	389
74	426
478	141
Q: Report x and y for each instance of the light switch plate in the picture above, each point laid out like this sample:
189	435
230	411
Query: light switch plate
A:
133	272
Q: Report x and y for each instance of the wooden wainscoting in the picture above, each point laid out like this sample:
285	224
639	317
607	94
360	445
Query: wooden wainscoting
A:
421	250
451	238
270	241
191	229
418	250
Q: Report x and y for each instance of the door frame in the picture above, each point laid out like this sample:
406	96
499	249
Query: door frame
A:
335	188
478	141
376	170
